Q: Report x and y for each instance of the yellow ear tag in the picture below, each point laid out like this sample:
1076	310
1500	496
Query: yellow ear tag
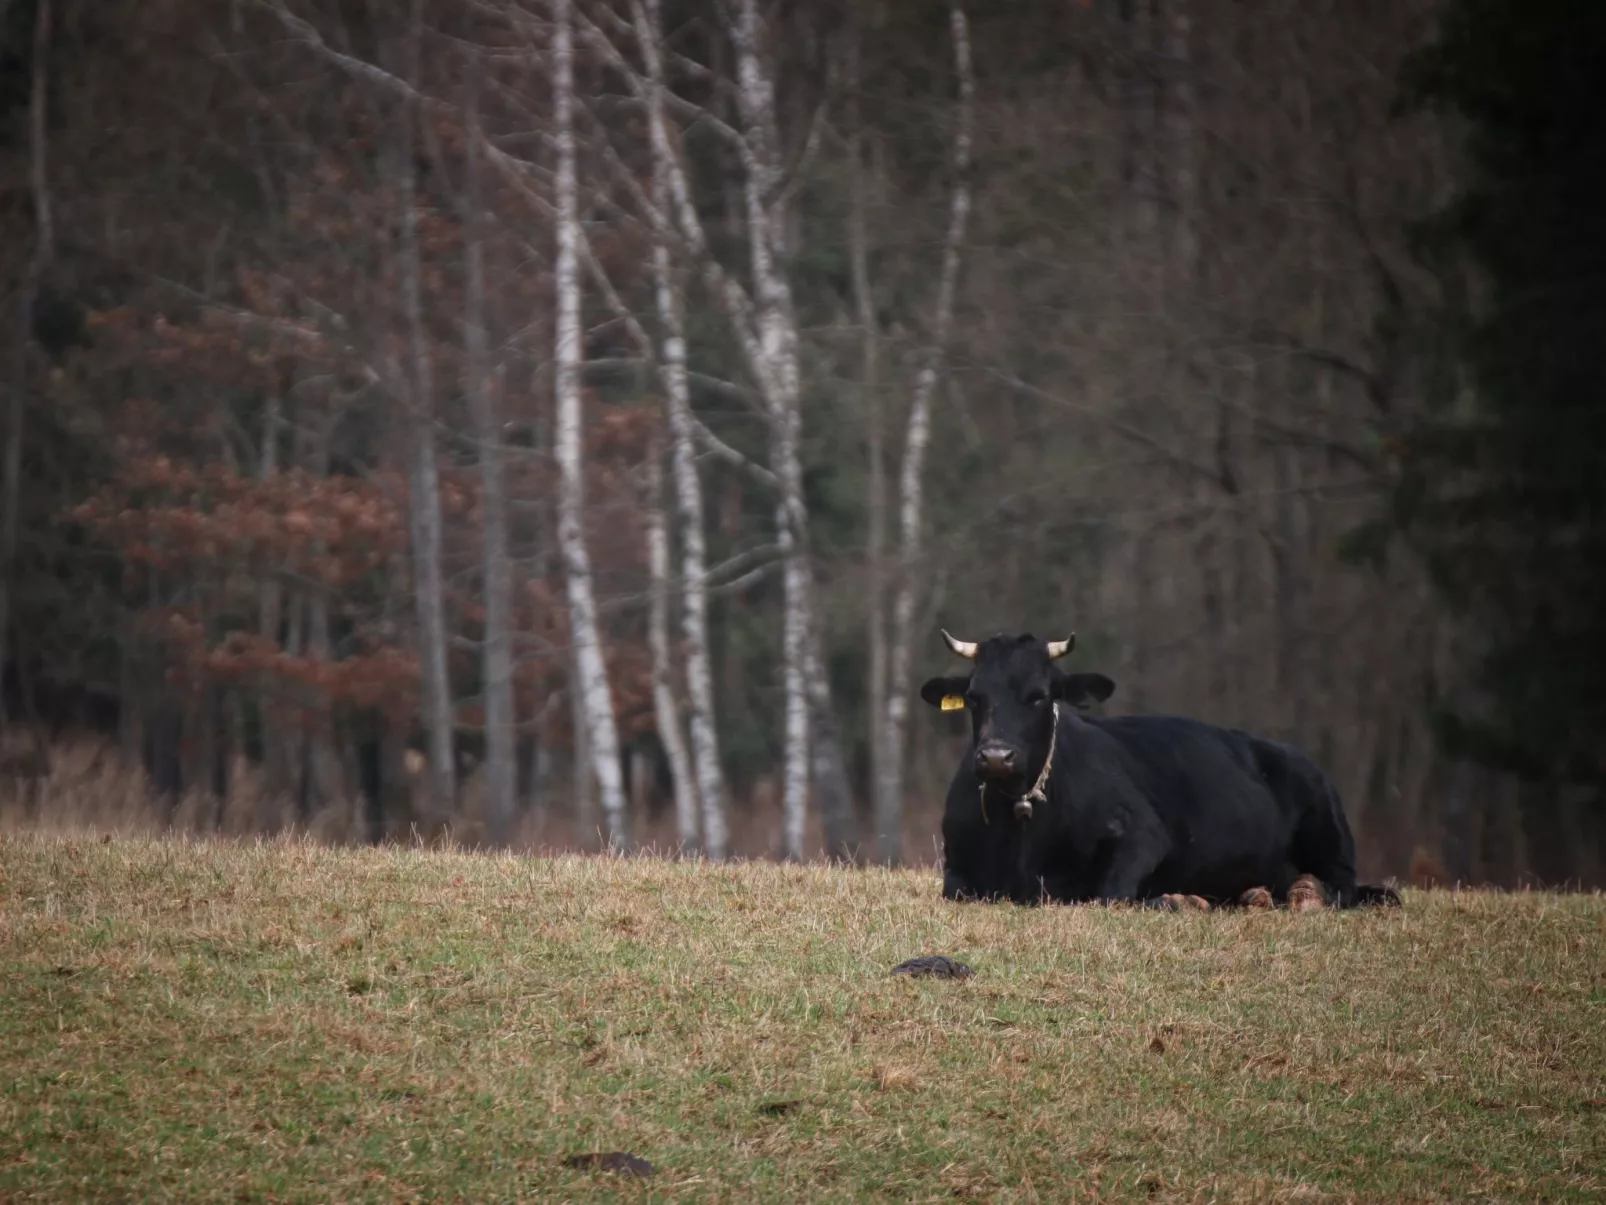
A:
953	702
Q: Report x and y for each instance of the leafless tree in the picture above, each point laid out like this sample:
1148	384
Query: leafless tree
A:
423	472
596	697
497	655
917	434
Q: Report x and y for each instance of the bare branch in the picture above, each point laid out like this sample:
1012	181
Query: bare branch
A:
675	104
751	578
308	33
1376	387
730	455
1142	438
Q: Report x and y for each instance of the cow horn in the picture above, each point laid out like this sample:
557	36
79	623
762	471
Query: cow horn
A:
1058	648
961	648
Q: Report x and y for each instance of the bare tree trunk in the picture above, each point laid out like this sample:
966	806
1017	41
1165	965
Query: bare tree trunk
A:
666	710
1142	142
777	334
424	497
876	504
582	782
130	684
326	787
794	651
295	744
270	615
38	263
425	507
833	794
710	782
1181	128
889	796
501	773
592	670
766	328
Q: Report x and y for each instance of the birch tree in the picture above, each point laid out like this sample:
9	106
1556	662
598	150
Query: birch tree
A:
917	435
765	326
665	708
777	333
710	781
596	697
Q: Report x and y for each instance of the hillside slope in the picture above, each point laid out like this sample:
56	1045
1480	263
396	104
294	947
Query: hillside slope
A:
281	1021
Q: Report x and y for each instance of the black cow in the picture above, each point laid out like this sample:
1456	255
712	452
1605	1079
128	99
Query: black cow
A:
1052	804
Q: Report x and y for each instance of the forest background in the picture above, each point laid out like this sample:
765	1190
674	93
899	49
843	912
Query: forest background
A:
568	423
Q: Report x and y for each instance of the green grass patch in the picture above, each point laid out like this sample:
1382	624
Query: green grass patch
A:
285	1022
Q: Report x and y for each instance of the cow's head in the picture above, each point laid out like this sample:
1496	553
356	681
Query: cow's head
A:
1010	692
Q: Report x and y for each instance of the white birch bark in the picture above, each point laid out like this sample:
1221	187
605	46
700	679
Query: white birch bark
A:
501	775
710	781
666	710
765	327
889	797
596	697
777	335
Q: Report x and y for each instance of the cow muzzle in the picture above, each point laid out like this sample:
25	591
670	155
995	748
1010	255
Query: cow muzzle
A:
996	761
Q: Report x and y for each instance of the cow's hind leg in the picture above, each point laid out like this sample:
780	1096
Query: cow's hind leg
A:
1324	847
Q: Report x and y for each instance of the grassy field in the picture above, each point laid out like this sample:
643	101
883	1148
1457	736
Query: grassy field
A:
245	1022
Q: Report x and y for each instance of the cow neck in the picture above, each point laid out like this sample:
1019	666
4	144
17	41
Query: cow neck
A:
1039	792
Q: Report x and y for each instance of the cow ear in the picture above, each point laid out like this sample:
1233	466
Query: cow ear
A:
946	694
1083	690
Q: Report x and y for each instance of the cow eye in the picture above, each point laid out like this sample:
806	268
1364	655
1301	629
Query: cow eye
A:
1036	698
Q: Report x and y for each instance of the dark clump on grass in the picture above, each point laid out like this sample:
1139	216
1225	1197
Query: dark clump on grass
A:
1375	896
209	1046
935	966
621	1162
778	1108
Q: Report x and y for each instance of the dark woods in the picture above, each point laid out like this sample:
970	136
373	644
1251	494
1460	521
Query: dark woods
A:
383	450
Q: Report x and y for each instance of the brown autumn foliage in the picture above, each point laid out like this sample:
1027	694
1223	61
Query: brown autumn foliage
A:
1182	343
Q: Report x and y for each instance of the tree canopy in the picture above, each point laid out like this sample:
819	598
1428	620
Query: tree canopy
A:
1504	479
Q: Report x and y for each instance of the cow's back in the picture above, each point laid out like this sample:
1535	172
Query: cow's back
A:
1228	825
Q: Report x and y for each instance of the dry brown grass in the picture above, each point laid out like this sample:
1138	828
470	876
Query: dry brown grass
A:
276	1020
88	788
